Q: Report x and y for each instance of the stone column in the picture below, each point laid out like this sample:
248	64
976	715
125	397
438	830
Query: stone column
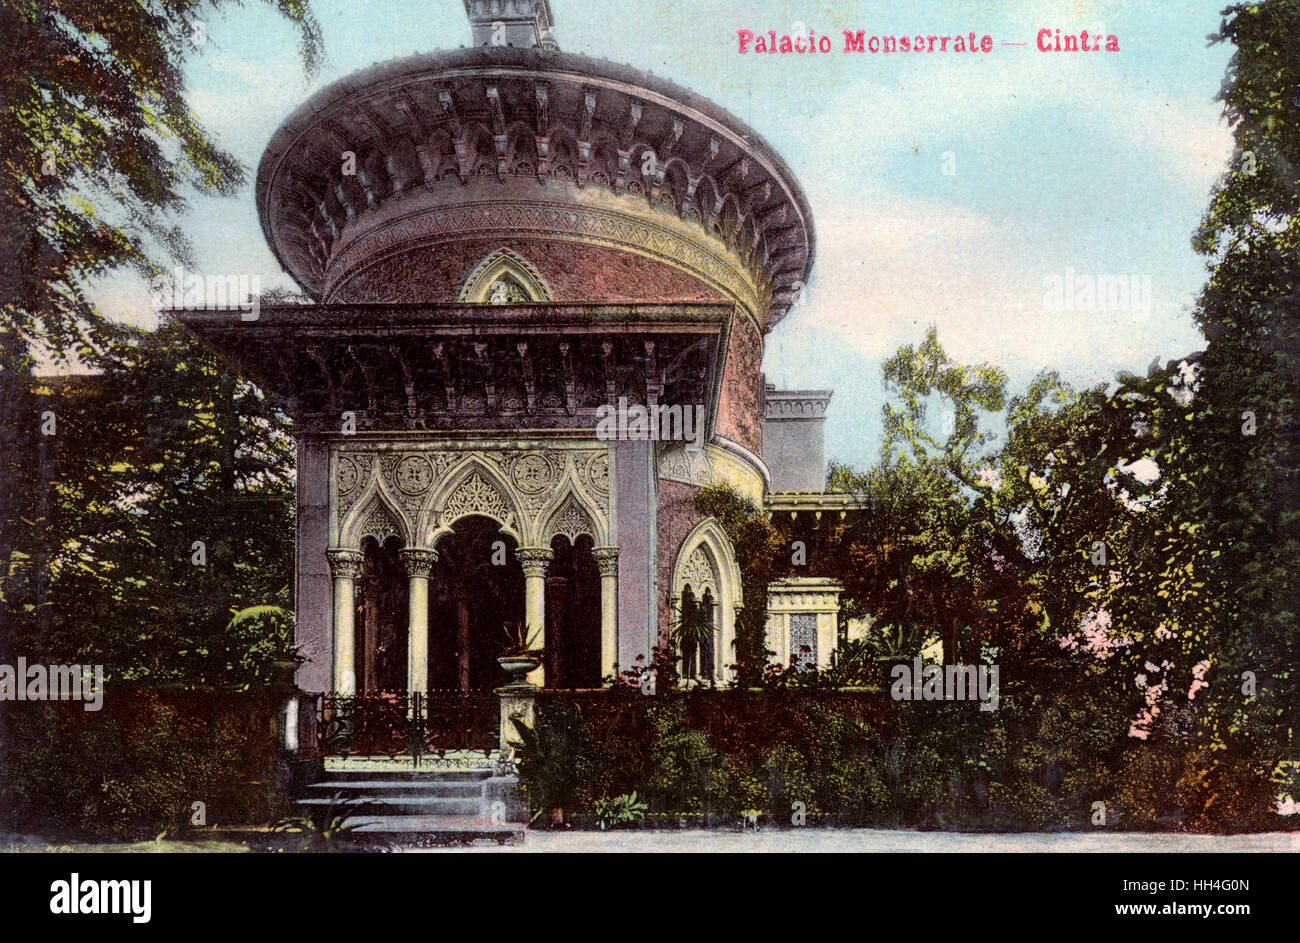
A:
534	560
607	561
419	564
345	567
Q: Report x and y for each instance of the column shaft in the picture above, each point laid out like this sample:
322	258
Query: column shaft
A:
419	564
534	560
345	567
607	561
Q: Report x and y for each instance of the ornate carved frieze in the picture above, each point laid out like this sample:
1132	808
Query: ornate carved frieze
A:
344	368
417	491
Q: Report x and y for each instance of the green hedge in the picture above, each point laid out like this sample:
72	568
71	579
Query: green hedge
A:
857	758
137	767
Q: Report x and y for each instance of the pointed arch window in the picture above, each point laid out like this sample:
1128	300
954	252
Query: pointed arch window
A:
504	278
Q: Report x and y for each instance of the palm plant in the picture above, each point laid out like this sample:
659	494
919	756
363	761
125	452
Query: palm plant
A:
692	633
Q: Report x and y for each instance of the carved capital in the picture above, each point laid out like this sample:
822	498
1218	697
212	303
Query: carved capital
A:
345	564
418	562
534	559
606	560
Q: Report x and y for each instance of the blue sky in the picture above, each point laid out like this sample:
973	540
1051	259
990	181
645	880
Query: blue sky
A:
1097	162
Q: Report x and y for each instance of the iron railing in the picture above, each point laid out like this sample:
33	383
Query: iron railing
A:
398	724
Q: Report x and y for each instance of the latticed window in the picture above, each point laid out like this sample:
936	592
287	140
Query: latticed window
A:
803	641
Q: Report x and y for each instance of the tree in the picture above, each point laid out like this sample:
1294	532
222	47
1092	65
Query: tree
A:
98	150
171	508
1245	435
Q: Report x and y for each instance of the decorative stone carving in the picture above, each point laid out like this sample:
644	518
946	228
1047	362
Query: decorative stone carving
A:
430	487
476	496
357	470
418	562
606	560
506	291
572	522
345	564
698	573
597	472
381	524
504	277
534	560
347	475
711	465
532	473
413	474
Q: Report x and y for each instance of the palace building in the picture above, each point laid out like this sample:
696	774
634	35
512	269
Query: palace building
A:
500	241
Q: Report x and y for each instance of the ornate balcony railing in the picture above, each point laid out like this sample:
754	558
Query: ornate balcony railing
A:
398	724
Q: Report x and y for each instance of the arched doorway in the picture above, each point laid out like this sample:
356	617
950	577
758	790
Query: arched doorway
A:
476	587
382	614
573	615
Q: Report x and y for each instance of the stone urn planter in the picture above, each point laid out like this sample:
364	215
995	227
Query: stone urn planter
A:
518	667
517	696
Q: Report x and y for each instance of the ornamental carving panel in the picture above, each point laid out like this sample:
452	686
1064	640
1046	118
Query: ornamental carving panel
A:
534	493
381	524
698	573
413	474
572	523
476	496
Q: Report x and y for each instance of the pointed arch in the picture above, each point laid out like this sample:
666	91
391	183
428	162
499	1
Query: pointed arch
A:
706	563
376	513
555	512
677	180
509	270
706	198
471	487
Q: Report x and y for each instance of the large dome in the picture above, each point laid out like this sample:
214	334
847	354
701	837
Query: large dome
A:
603	182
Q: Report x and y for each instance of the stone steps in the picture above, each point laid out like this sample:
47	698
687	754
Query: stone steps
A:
417	809
419	831
351	789
401	805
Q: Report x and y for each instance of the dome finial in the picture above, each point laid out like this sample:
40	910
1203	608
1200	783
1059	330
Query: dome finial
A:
520	23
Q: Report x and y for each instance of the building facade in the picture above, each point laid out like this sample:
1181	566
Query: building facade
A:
505	243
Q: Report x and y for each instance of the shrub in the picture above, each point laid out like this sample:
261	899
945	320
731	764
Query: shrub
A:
554	759
621	810
137	767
